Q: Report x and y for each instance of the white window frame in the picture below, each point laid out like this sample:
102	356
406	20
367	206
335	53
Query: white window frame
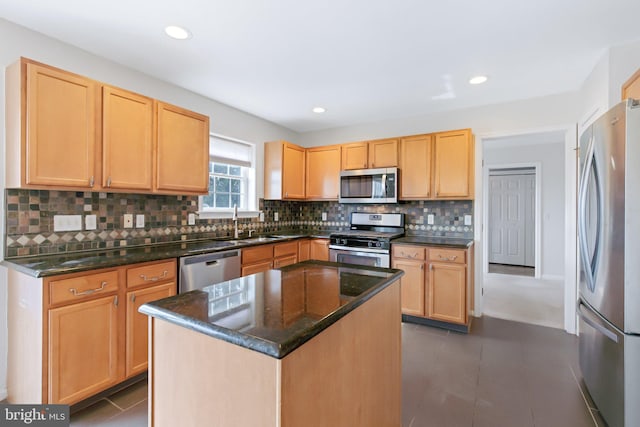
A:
251	194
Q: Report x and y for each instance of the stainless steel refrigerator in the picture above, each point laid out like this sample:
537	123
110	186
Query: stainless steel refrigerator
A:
609	248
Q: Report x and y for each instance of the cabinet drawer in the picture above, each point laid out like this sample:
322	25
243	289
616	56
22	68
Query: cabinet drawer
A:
82	287
259	253
411	252
281	249
256	268
284	261
151	273
448	255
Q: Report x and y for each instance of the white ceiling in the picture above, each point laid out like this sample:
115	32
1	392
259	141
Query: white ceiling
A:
363	60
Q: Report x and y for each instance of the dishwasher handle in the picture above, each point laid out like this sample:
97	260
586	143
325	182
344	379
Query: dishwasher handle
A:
211	263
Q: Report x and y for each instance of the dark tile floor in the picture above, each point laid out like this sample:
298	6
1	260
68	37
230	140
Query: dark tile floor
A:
502	374
517	270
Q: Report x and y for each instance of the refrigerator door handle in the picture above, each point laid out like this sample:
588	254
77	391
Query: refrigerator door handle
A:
588	262
596	323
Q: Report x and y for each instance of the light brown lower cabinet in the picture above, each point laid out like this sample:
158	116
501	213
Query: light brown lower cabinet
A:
265	257
75	335
438	282
319	249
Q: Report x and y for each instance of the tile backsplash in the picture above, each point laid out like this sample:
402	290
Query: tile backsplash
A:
29	219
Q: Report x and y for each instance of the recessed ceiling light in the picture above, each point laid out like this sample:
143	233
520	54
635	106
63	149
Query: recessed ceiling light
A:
477	80
319	110
177	32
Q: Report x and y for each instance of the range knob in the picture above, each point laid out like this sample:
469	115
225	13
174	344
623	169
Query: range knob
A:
370	244
344	241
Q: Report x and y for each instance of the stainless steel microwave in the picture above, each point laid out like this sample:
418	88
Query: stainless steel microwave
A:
369	186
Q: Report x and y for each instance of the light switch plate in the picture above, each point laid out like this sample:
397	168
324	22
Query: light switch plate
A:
90	222
261	217
191	219
127	221
324	216
467	220
140	221
276	217
430	219
67	222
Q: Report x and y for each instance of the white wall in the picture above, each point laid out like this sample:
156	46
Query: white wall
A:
19	41
550	154
624	60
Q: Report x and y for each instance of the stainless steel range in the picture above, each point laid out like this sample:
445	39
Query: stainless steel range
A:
368	240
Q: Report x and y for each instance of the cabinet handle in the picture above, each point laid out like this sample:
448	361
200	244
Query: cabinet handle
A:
421	266
109	182
115	301
364	165
154	279
91	182
444	258
133	298
286	194
75	292
430	267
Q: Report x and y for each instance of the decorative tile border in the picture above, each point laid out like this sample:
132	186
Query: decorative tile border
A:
29	219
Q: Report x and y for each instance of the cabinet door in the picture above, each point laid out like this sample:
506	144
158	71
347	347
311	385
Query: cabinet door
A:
60	128
83	349
383	153
284	261
412	286
319	249
323	172
127	140
355	155
453	165
631	88
182	151
447	292
415	167
303	249
137	325
293	170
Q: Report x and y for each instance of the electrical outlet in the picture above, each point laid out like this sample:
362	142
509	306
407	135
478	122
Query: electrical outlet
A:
90	222
430	219
324	216
467	220
276	217
191	219
140	221
67	222
261	217
127	221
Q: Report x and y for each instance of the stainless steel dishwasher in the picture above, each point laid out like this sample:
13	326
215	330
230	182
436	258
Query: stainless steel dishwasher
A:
198	271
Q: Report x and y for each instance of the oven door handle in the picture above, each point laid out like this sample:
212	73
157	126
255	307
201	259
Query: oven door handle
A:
355	250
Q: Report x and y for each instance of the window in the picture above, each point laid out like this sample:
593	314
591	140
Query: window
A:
231	178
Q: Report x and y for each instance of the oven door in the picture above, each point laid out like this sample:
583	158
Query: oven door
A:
370	257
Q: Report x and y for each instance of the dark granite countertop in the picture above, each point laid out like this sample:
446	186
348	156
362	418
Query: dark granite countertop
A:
277	311
434	241
51	265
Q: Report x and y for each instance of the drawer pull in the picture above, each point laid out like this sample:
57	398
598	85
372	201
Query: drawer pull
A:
444	258
154	279
89	291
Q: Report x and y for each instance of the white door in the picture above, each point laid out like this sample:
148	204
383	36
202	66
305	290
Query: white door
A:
511	219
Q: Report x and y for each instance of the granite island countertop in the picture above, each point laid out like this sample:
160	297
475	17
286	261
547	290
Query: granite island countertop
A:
434	241
64	263
277	311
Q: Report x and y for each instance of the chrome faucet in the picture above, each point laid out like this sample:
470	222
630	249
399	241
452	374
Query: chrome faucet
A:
251	232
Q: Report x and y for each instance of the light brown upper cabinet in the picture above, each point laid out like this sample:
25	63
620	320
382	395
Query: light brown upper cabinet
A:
51	118
453	164
182	156
415	167
68	132
631	88
355	155
323	172
127	140
381	153
284	171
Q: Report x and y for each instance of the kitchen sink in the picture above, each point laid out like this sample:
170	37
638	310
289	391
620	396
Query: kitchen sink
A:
286	236
258	239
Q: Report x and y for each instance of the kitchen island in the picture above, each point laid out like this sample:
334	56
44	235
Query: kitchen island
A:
315	343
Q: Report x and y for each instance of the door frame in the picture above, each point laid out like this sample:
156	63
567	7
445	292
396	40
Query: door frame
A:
537	167
570	132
